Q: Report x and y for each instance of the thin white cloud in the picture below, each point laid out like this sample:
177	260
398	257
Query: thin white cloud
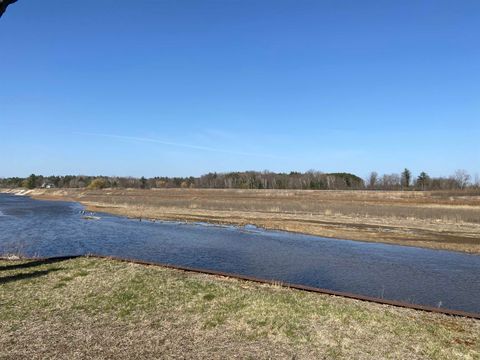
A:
182	145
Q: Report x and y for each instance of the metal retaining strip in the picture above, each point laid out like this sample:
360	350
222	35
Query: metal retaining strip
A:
274	282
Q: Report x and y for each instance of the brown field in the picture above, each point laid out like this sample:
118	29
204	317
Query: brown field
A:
438	220
89	308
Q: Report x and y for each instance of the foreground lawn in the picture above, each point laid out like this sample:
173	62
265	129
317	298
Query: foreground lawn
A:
95	308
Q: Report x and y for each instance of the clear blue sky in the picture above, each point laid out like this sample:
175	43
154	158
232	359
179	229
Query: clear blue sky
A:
187	87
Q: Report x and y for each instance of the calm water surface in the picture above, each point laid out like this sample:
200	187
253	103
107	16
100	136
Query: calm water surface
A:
420	276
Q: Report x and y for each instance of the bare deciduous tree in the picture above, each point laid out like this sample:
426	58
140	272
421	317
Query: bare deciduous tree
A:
390	181
372	180
462	178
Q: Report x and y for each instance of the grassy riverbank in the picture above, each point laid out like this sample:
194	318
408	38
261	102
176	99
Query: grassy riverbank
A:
94	308
438	220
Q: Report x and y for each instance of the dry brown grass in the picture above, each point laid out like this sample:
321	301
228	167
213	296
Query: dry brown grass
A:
97	309
439	220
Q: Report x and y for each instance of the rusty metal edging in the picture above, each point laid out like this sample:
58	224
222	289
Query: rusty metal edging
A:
274	282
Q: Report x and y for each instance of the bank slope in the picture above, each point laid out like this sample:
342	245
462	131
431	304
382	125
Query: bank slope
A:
97	308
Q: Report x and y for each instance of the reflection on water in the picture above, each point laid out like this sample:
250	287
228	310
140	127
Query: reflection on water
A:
421	276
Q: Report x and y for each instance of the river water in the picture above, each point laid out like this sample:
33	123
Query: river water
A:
447	279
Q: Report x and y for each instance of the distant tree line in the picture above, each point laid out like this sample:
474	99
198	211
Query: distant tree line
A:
406	181
233	180
310	180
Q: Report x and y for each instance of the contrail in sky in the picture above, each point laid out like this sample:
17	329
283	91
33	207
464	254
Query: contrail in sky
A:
187	146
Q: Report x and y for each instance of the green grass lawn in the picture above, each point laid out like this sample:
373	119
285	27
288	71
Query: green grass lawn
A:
96	308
